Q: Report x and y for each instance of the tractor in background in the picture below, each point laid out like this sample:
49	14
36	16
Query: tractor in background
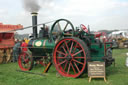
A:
119	38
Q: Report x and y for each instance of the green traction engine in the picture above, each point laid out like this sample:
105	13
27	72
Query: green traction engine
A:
68	48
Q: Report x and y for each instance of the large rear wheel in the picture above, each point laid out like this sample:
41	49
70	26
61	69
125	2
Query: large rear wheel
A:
70	57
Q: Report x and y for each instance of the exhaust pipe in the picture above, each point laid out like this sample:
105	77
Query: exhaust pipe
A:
34	22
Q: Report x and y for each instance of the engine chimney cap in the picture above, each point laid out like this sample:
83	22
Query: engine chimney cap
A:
34	13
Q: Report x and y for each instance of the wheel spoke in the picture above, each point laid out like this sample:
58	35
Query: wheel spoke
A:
79	57
69	68
24	57
59	36
74	48
61	57
71	47
62	62
65	26
64	49
59	26
77	67
60	52
26	61
65	65
73	68
77	52
28	64
78	61
66	45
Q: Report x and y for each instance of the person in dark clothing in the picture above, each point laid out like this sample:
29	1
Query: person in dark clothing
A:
16	51
43	33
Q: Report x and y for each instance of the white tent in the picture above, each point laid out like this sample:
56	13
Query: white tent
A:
119	33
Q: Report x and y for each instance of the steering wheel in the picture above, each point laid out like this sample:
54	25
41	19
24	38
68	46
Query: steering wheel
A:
84	28
61	28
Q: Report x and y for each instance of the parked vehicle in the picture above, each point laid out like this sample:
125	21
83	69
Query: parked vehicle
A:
120	39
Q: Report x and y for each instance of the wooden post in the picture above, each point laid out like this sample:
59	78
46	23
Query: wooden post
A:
90	78
105	79
47	67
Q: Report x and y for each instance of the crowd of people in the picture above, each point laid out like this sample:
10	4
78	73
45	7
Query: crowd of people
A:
20	46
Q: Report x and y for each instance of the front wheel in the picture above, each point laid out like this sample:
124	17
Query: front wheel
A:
25	61
70	57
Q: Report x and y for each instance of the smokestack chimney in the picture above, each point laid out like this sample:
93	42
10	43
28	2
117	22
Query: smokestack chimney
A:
34	22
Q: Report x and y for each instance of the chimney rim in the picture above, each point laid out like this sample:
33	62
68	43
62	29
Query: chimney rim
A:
34	13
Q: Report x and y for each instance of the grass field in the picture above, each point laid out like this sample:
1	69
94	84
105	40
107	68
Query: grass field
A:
117	75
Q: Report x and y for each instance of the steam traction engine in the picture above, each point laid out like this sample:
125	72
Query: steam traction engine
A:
70	49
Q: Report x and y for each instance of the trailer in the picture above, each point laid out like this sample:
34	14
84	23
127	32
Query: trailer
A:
7	41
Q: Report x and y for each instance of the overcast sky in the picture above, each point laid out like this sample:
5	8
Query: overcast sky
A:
99	14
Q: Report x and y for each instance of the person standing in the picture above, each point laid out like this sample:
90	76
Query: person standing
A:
24	46
16	50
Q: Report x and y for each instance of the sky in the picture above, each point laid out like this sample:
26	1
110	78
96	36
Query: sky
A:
99	14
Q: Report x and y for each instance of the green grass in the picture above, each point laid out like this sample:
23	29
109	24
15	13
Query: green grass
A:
117	75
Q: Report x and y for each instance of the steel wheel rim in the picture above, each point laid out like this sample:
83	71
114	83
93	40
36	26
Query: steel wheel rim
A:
73	61
61	33
24	62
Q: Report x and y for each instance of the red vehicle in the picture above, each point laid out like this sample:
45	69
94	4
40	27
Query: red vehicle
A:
7	41
101	36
